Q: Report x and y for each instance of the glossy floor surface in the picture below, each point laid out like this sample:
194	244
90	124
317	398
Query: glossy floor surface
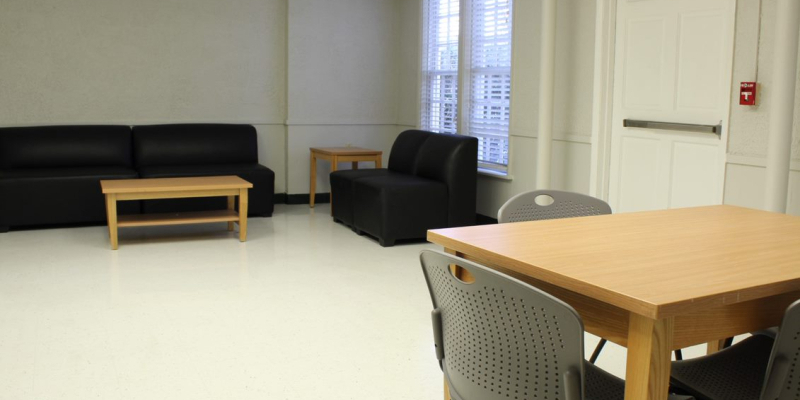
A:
306	309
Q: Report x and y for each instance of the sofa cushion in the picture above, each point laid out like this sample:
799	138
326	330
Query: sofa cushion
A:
40	196
194	144
342	185
259	197
65	146
399	206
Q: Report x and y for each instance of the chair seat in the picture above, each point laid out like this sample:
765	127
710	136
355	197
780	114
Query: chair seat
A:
102	172
399	206
342	185
736	373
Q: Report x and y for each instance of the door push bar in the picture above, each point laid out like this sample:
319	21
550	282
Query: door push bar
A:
673	126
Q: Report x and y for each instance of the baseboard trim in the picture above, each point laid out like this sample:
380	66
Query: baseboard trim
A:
304	198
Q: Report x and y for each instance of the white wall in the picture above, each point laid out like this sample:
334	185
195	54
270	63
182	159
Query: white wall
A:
749	125
146	61
343	80
573	103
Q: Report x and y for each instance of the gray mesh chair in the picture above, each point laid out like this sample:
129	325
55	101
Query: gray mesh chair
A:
499	338
523	207
758	367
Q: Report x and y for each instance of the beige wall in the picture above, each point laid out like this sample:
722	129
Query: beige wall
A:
573	103
749	125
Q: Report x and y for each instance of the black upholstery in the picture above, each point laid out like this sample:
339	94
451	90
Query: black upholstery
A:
181	150
260	176
65	146
430	183
51	174
194	144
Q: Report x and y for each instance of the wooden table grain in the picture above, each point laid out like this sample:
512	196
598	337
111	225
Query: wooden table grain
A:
651	281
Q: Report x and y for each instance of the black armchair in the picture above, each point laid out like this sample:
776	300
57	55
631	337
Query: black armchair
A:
430	183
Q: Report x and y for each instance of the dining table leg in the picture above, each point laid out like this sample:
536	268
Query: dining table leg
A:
649	357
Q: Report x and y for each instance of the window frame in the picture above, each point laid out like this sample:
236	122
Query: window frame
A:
465	77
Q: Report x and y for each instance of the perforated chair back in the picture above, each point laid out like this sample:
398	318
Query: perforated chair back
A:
783	378
498	338
523	207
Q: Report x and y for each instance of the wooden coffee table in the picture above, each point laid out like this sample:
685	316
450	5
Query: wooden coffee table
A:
336	155
174	188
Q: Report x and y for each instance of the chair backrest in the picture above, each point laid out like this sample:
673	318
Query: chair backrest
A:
523	207
403	157
498	338
453	160
782	381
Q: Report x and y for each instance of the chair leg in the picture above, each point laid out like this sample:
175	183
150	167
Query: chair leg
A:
596	352
386	242
3	229
678	355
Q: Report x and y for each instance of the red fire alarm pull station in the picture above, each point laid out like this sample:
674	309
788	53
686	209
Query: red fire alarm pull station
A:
747	94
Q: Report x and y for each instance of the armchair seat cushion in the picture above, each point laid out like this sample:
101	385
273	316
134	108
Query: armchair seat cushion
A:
399	206
260	196
342	184
59	195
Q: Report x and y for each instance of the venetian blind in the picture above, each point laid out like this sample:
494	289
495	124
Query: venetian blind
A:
439	108
490	80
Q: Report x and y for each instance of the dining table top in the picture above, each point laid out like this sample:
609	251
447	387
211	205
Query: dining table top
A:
657	264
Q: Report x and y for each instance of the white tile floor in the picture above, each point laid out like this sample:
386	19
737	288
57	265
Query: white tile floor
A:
306	309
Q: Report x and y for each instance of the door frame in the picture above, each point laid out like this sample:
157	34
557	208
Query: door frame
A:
603	99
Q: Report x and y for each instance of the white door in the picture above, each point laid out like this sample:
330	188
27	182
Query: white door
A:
673	61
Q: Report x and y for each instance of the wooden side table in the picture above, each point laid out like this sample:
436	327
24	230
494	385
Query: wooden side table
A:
336	155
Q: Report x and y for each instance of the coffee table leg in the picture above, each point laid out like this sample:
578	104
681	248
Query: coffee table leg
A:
111	213
231	206
354	164
313	185
243	215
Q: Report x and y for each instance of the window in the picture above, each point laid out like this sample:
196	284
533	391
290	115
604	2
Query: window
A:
470	46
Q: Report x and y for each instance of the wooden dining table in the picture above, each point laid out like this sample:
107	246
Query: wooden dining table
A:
651	281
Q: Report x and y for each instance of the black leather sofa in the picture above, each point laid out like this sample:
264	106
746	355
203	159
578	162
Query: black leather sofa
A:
430	182
49	175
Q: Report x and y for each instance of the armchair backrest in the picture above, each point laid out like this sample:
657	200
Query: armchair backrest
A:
499	338
453	160
403	157
194	144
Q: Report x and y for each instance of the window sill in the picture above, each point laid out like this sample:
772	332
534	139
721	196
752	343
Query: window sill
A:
495	174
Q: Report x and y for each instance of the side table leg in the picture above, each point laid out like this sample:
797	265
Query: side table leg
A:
231	206
243	215
334	168
111	214
312	191
378	162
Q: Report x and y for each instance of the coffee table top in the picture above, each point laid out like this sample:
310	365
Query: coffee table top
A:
173	184
346	151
